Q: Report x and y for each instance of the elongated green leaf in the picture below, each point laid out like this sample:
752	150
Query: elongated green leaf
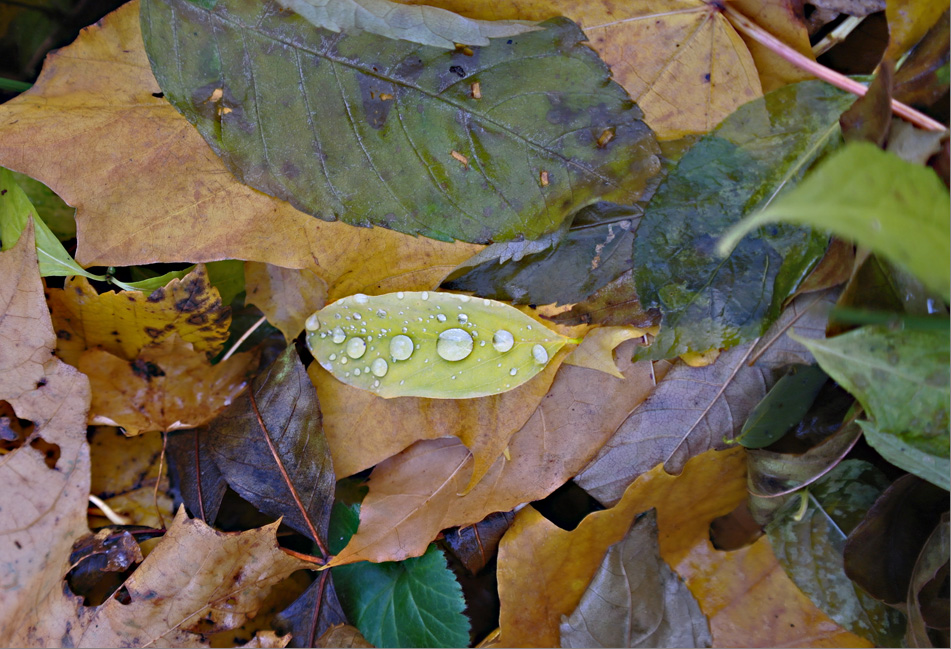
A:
60	217
809	545
912	453
897	209
498	145
429	344
416	23
753	155
411	603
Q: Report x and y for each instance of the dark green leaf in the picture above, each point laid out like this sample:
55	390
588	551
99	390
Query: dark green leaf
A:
926	458
809	545
760	150
411	603
376	131
228	277
783	406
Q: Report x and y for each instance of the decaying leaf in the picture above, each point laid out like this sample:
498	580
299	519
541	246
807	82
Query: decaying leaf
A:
342	635
476	545
614	304
636	600
286	296
313	614
908	22
597	349
925	606
199	479
168	386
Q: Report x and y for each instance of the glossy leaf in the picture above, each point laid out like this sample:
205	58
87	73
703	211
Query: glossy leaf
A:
897	209
411	603
901	378
396	135
784	405
759	151
420	24
810	543
636	600
429	344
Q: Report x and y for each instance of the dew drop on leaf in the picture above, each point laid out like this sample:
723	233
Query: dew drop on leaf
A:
513	371
454	344
356	347
312	323
463	318
379	367
540	354
401	347
440	317
339	335
360	298
503	340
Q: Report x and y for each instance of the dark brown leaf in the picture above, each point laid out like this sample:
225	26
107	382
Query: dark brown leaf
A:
312	615
475	545
199	479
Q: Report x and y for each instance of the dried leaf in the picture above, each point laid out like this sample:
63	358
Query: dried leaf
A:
870	117
784	20
475	545
199	479
908	22
597	349
286	296
342	635
168	386
312	615
919	81
931	563
614	304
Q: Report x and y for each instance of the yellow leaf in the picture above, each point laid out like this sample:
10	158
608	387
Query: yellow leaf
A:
784	20
597	349
700	359
908	22
286	296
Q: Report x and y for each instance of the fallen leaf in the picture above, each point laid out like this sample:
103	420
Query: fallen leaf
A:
50	134
200	481
614	304
694	409
342	635
596	351
168	386
475	545
417	493
267	639
286	296
544	570
918	80
784	20
635	599
870	117
908	22
923	596
44	507
313	614
126	322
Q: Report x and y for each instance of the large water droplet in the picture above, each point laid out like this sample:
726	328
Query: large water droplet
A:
356	347
312	323
401	347
339	335
379	367
454	344
503	340
540	354
463	318
440	317
425	295
357	316
360	298
333	357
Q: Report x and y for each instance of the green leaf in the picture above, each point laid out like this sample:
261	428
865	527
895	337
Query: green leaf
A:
60	217
411	603
375	131
760	150
897	209
228	277
783	406
416	23
901	378
15	211
809	545
429	344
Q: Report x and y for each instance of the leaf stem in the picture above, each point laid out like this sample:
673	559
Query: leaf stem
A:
108	511
243	337
760	35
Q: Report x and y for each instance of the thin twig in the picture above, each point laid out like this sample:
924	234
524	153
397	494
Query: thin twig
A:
109	512
161	465
757	33
244	337
315	621
837	35
309	558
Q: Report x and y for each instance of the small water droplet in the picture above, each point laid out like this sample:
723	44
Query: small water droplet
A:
440	317
347	374
464	298
453	377
323	334
357	316
540	354
425	295
400	295
376	384
379	367
336	316
360	298
463	318
454	344
356	347
529	327
356	372
333	357
381	313
339	335
404	330
312	323
486	302
343	361
481	343
503	340
402	382
401	347
513	371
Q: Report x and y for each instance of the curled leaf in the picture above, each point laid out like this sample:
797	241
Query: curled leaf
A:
428	344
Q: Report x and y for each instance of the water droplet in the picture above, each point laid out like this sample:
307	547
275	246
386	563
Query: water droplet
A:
440	317
381	313
425	295
463	318
540	354
481	343
343	361
503	340
356	347
464	298
379	367
312	323
323	334
402	382
356	372
454	344
401	347
404	330
513	371
486	302
529	327
453	377
333	357
336	316
400	295
357	316
376	384
339	335
360	298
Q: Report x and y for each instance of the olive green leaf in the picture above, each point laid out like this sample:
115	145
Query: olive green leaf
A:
416	23
429	344
897	209
481	144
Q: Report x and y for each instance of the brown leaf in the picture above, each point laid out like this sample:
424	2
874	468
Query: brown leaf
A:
286	296
342	635
267	639
908	22
44	507
596	351
544	570
475	545
614	304
870	117
416	494
784	20
126	322
148	189
168	386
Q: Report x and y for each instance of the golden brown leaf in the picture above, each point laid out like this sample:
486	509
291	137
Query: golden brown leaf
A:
596	351
126	322
544	570
342	635
44	507
168	386
784	20
147	187
286	296
267	639
908	22
416	494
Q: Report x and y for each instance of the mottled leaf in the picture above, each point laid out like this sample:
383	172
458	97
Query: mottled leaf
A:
636	600
400	134
809	543
897	209
429	344
419	24
756	153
